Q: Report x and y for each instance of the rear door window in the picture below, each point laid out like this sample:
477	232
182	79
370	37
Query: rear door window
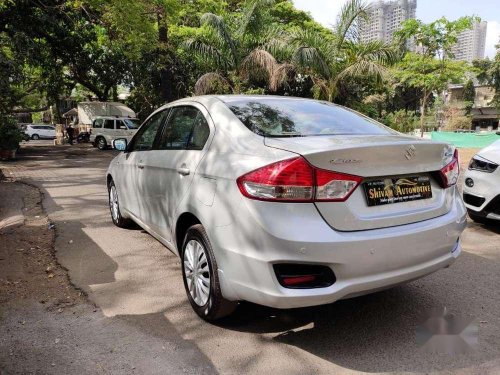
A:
98	123
186	128
109	124
200	133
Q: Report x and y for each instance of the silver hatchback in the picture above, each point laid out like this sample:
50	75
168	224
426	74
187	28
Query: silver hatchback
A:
286	202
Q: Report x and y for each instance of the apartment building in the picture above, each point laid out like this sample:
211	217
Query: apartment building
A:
385	18
471	43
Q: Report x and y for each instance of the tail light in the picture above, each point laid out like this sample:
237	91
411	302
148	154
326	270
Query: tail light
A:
295	180
449	174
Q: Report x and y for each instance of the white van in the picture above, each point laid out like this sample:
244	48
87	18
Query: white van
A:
40	131
107	128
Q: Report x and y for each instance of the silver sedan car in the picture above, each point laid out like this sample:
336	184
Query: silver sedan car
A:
286	202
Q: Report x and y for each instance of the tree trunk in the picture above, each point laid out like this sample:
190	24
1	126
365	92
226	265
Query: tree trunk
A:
422	113
56	112
163	53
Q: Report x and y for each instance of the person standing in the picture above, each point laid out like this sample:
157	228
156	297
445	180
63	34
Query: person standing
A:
70	131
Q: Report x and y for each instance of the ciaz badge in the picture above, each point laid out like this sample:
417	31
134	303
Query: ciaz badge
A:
344	161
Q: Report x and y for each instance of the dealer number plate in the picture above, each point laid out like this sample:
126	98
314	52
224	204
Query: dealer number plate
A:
396	190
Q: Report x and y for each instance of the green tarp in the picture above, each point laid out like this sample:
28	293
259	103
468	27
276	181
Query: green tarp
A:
471	140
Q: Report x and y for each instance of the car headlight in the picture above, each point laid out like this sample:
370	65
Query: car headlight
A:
478	163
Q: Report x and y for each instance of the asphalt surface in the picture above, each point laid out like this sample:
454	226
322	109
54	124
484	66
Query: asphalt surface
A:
136	283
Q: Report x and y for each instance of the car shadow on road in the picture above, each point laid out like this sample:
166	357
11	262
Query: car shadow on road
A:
377	332
492	226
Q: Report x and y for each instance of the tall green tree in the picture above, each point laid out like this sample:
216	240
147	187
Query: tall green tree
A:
431	68
482	69
233	54
336	59
429	75
469	96
488	73
494	74
68	41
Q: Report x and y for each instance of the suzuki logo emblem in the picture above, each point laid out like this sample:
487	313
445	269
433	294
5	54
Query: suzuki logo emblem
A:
410	152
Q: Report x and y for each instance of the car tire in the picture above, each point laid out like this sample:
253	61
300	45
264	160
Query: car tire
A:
198	266
476	218
101	143
35	137
114	207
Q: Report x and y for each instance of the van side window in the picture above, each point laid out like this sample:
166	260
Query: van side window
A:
109	124
98	123
121	125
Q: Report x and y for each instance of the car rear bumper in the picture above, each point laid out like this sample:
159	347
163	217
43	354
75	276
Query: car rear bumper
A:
363	261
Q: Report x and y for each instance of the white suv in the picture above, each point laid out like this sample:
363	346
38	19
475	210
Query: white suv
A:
482	184
105	129
40	131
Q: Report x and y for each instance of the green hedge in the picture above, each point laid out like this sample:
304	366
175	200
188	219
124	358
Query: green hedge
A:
469	140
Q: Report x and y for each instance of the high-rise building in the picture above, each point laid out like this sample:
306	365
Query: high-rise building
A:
471	43
385	18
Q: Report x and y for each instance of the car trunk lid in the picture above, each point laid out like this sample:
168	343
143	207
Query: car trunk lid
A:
379	159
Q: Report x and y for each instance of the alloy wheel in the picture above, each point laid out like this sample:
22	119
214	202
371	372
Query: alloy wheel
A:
197	272
113	202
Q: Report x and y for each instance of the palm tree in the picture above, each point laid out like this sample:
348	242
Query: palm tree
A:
234	55
334	60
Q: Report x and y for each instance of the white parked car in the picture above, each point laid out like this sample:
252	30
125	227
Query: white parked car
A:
40	131
105	129
286	202
482	184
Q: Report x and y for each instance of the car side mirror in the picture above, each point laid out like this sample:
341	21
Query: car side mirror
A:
119	144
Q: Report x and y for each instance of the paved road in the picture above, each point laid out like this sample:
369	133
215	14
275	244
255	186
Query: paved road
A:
130	275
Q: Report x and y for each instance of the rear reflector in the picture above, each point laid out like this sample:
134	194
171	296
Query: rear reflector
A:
303	276
295	180
296	280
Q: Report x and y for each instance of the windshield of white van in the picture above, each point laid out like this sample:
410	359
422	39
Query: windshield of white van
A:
132	123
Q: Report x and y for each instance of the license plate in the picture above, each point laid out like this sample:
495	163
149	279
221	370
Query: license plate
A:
396	190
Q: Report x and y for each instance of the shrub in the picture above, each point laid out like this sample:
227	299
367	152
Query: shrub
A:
456	118
10	134
458	122
401	121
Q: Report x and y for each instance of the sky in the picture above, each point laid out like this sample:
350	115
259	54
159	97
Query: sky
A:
325	12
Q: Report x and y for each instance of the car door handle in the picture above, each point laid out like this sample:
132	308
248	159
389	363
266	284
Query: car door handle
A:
183	171
140	166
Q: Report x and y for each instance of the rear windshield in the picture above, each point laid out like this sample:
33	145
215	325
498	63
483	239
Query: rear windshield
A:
282	117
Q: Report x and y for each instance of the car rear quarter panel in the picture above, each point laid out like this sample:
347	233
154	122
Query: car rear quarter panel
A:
214	196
